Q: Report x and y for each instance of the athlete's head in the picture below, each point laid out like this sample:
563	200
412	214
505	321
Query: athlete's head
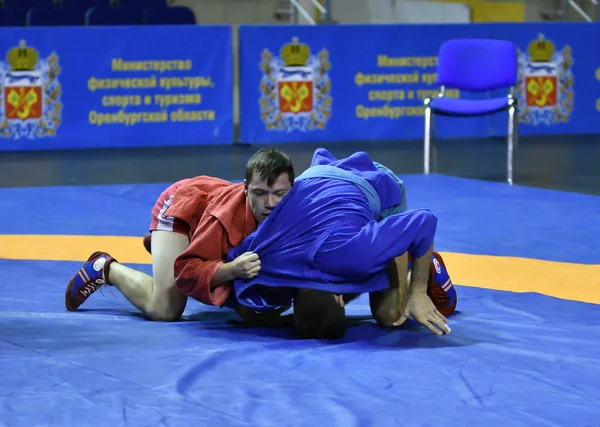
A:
269	177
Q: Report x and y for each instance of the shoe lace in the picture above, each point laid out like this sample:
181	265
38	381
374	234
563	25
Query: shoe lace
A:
109	289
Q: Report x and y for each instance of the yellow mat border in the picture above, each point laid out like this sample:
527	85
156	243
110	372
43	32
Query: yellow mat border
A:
577	282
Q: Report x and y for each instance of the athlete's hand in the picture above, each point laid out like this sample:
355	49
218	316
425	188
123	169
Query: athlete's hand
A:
246	266
421	308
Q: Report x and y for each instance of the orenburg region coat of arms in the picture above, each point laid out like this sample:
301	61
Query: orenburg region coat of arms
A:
30	92
295	88
545	86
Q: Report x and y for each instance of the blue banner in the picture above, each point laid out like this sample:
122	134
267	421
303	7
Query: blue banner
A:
346	82
87	87
558	88
368	82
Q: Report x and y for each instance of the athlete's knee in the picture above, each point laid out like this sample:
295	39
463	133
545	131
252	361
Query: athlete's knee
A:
386	307
163	314
387	319
166	305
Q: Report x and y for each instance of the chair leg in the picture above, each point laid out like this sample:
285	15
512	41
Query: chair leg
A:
516	143
427	142
434	145
512	128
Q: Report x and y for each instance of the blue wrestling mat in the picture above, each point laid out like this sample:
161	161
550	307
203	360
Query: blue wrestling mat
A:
516	355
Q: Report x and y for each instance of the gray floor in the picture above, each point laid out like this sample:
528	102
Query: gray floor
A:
558	162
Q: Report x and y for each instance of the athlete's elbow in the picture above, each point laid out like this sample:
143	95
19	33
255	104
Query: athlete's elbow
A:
427	219
425	223
183	280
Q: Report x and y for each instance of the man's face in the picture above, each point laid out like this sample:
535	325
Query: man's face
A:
262	198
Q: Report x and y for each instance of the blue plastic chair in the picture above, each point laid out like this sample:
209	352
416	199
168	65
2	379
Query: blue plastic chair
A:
12	17
475	65
53	17
173	15
113	16
142	4
28	4
82	6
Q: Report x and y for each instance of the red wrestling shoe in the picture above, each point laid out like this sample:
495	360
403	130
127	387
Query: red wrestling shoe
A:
88	279
148	243
440	288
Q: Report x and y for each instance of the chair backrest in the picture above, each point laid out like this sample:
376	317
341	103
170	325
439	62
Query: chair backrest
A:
83	5
173	15
113	16
12	17
39	3
142	4
16	5
477	65
25	5
53	17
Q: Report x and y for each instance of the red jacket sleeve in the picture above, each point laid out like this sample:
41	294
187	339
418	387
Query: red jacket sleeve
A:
196	266
219	219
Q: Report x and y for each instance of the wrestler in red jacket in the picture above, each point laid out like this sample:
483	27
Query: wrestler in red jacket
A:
195	222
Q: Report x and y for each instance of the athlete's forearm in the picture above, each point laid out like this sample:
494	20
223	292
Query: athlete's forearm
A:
224	274
387	305
420	272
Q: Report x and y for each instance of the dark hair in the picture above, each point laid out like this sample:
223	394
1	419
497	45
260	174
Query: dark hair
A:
269	163
318	315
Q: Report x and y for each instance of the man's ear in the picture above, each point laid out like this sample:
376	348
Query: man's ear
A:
245	186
